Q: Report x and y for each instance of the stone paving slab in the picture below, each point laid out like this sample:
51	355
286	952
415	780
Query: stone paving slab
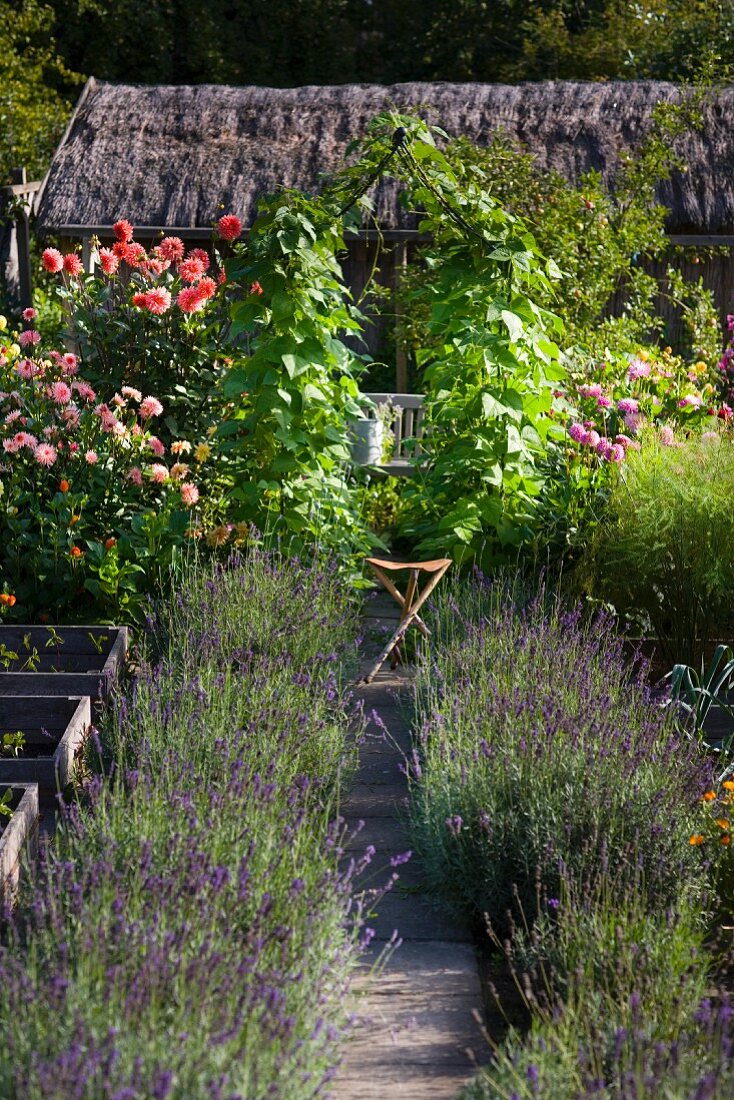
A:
418	1082
417	1035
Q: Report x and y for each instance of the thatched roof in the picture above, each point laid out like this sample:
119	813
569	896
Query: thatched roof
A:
174	156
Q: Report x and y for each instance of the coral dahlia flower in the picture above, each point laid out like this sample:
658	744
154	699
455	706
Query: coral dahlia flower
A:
191	269
158	300
52	260
108	261
230	227
123	230
171	249
199	254
206	288
189	299
73	265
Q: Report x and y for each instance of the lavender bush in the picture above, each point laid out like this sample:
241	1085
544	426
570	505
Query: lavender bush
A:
539	750
189	933
551	794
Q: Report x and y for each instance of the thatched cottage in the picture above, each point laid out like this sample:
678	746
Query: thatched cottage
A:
170	158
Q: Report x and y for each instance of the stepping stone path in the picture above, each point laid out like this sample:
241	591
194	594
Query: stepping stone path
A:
416	1035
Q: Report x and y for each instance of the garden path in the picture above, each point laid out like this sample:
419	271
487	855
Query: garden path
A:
416	1037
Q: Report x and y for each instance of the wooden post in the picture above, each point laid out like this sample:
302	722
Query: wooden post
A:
87	255
23	245
401	358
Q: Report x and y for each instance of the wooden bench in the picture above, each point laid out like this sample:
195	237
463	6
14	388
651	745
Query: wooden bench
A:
408	425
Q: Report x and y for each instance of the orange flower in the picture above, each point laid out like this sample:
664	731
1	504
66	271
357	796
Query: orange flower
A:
709	796
697	838
728	784
76	552
110	542
722	822
7	598
64	486
725	839
74	519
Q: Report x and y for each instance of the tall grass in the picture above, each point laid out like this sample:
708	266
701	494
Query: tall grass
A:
190	933
664	551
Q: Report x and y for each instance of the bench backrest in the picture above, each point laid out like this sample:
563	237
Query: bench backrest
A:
408	423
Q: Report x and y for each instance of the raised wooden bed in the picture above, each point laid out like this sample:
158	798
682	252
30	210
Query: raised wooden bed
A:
18	835
53	728
87	663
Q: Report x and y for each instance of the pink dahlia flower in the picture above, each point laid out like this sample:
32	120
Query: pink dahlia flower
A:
156	446
135	475
577	432
29	338
189	494
84	390
150	406
45	454
91	457
29	314
158	473
61	393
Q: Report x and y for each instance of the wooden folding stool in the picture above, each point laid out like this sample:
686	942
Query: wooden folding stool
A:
410	603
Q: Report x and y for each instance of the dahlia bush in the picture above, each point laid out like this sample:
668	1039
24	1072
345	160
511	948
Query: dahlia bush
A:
153	317
95	506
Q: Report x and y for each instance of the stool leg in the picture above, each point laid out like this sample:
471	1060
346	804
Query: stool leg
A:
396	656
